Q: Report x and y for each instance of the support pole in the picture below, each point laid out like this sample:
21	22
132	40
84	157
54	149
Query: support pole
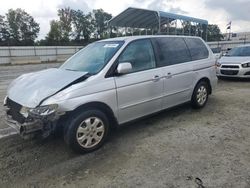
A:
190	27
206	32
168	26
175	27
159	18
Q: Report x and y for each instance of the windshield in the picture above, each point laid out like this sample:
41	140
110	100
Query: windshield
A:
239	51
93	57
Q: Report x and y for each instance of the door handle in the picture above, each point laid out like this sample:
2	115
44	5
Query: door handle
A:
156	78
169	75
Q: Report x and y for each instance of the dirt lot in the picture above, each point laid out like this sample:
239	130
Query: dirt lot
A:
181	147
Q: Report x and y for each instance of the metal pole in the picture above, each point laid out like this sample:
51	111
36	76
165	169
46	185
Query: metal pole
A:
206	32
175	27
168	26
159	18
190	27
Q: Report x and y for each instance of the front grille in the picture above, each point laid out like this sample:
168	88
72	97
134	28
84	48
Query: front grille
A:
229	72
230	66
14	111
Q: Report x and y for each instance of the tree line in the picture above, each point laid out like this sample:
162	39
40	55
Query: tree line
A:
73	27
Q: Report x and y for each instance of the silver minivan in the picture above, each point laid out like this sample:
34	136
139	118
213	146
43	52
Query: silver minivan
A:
109	83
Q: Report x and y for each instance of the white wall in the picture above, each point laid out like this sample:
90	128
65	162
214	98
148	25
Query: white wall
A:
224	45
40	53
60	53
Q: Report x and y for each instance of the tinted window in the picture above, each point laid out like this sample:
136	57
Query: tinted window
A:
139	54
197	48
171	51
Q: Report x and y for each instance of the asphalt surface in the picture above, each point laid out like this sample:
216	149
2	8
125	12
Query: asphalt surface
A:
180	147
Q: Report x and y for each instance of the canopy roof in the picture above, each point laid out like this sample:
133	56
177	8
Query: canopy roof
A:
143	18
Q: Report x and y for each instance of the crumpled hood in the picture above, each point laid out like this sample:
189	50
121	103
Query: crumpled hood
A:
30	89
234	60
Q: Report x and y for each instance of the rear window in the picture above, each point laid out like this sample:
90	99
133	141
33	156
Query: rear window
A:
197	48
171	51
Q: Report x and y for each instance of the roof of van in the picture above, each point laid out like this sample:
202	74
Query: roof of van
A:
130	38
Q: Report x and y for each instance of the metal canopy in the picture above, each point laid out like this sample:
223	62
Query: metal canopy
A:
150	19
143	18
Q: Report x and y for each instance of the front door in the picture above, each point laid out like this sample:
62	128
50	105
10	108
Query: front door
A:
139	92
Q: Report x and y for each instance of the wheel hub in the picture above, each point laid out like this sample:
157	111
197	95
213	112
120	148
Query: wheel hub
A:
201	95
90	132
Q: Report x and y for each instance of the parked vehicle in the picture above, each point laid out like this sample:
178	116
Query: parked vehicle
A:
236	63
109	83
217	52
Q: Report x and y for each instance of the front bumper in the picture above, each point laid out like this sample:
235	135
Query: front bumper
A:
32	126
235	70
27	129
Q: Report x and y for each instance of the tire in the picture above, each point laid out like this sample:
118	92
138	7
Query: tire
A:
87	131
200	95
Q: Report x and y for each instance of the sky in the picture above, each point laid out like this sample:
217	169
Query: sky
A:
219	12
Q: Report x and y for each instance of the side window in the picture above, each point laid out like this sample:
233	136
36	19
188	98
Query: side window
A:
197	48
140	54
171	50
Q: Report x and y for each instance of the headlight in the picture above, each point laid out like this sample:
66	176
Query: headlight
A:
24	111
5	101
44	110
217	64
245	65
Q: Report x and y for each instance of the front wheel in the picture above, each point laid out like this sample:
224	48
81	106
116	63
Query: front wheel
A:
200	95
87	131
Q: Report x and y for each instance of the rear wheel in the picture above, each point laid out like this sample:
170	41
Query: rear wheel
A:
87	131
200	95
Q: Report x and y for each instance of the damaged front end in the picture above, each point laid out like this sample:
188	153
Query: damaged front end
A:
30	122
25	96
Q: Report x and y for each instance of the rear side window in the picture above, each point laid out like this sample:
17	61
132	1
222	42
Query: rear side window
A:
197	48
171	51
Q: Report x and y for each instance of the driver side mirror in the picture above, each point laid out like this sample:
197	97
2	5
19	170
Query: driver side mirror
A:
124	68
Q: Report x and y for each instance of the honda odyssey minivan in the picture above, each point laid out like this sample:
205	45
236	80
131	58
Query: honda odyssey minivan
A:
109	83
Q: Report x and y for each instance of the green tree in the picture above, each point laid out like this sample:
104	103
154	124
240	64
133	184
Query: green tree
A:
65	20
22	27
4	34
82	26
54	37
101	19
214	33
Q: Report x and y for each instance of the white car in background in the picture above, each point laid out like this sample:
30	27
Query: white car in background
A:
236	63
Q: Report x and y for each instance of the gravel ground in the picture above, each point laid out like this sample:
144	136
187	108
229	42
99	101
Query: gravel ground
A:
180	147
